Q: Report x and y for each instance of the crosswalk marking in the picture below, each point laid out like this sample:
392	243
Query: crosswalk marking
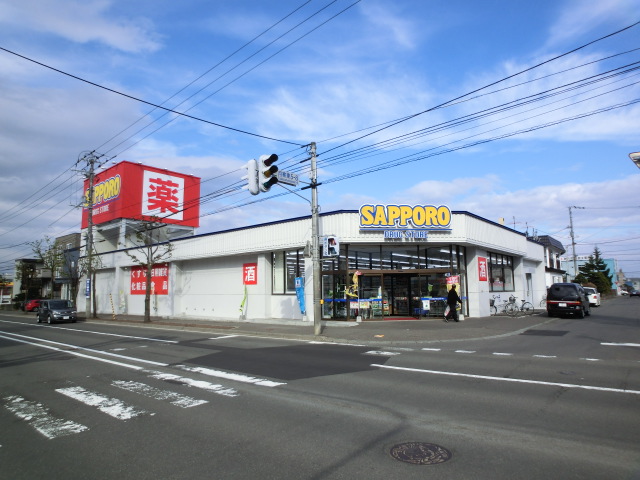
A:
381	353
210	387
38	416
232	376
110	406
177	399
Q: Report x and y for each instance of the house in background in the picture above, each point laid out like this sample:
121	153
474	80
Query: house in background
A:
553	250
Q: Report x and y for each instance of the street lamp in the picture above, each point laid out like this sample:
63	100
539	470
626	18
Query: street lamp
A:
635	158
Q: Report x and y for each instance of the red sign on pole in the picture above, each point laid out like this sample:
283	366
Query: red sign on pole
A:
159	279
250	274
482	269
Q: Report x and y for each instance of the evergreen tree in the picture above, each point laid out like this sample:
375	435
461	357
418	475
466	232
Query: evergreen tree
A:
595	271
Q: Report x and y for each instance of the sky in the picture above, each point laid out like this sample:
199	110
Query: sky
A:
505	109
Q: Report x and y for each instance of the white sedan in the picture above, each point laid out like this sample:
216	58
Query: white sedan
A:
593	295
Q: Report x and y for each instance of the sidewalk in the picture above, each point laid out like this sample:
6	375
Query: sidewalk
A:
400	333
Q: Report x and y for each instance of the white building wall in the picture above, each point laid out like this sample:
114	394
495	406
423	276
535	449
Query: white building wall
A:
205	279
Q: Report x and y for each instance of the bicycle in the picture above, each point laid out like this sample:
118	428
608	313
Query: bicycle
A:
506	307
526	307
543	302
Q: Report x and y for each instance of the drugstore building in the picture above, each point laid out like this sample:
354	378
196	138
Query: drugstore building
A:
381	262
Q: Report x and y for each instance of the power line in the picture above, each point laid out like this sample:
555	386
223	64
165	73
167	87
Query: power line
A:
160	107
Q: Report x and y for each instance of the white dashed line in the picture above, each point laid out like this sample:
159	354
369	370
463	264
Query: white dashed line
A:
502	354
465	351
432	349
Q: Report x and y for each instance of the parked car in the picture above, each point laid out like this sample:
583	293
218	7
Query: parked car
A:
593	295
56	310
634	293
567	299
31	306
624	292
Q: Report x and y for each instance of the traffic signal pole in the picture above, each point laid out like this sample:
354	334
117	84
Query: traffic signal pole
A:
315	242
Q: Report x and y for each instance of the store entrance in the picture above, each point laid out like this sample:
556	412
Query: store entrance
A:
394	295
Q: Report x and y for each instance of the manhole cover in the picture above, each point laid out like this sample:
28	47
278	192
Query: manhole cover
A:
420	453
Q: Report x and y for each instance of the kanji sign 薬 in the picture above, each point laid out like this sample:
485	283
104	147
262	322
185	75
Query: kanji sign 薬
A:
162	195
159	279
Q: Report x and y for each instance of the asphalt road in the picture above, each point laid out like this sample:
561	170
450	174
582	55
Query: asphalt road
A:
87	400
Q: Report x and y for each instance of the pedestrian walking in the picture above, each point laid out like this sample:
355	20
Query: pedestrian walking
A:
452	303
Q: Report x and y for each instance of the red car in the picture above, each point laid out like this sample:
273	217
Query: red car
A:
32	305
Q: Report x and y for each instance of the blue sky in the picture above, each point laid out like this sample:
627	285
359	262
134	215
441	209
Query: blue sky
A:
347	67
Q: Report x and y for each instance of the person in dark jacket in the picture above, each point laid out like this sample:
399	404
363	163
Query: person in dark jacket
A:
452	301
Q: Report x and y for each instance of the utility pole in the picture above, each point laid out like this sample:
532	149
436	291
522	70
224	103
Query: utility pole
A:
573	242
315	245
90	158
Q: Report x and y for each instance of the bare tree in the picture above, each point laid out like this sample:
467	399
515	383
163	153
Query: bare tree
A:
49	253
148	250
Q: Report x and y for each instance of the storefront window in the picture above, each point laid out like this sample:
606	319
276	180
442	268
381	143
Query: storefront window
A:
364	258
438	257
500	273
286	267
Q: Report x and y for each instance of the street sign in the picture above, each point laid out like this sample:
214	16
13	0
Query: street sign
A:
287	177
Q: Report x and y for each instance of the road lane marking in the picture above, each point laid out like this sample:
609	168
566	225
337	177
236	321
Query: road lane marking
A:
38	416
210	387
102	352
432	349
232	376
223	337
111	406
175	398
502	354
93	332
591	359
381	353
77	354
465	351
514	380
610	344
545	356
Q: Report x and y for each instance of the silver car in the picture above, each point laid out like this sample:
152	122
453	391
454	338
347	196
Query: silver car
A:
56	311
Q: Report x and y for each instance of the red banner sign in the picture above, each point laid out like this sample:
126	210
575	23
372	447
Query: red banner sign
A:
159	279
250	274
482	269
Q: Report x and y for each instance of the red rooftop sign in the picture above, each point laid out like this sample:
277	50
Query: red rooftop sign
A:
138	192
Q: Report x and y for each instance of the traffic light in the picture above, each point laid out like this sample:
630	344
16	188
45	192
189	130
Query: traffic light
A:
252	177
267	172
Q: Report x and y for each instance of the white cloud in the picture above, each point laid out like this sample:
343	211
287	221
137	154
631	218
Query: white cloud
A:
578	17
82	21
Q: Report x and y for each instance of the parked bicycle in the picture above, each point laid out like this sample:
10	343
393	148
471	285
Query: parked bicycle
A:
526	307
505	308
543	302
